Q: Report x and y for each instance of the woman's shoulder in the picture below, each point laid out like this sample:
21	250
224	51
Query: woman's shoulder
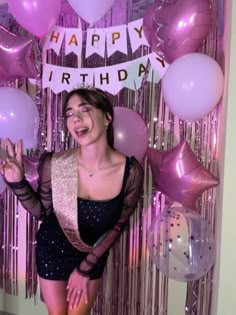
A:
45	162
132	163
64	154
46	157
134	182
135	165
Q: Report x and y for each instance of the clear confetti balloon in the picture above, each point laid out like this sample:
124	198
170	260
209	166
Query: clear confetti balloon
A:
181	244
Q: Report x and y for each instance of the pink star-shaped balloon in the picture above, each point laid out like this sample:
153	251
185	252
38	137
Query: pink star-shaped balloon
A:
16	55
178	174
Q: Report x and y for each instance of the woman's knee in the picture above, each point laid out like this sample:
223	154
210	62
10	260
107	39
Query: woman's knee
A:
60	309
57	312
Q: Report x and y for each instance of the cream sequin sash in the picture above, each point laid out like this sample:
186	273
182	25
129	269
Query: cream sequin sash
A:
64	173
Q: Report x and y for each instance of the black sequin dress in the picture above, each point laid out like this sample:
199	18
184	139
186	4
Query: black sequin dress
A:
56	257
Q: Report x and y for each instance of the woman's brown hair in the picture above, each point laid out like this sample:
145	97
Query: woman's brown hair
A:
99	100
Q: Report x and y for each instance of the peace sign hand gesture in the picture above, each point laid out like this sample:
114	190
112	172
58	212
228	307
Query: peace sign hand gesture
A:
12	166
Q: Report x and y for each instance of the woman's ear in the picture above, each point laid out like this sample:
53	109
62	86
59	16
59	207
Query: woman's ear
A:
108	119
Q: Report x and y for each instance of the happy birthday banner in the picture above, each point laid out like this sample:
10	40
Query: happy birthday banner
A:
109	78
98	40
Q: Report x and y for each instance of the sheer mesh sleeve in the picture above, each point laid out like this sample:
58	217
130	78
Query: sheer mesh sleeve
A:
132	194
39	203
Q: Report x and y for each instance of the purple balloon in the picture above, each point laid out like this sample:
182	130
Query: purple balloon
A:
181	244
19	117
130	133
175	28
16	55
36	16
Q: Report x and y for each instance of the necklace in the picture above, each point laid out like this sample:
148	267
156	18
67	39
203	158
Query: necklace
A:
90	173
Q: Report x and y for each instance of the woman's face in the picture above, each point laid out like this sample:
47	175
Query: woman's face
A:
85	123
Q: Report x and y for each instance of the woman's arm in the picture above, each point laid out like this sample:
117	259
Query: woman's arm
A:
39	203
131	196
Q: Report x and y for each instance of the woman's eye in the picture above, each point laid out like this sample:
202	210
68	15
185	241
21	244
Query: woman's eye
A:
85	109
69	114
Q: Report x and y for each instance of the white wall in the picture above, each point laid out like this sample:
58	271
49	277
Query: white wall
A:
224	294
18	304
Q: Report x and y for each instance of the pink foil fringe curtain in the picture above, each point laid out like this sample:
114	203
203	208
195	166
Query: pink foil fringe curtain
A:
9	243
132	284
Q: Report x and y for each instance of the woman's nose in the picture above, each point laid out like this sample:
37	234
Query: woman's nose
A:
78	116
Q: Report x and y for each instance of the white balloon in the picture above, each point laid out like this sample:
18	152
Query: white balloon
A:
192	86
91	11
19	117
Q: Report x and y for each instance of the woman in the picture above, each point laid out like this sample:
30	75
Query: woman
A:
84	199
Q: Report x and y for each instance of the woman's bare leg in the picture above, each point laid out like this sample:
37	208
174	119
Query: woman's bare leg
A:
54	294
83	308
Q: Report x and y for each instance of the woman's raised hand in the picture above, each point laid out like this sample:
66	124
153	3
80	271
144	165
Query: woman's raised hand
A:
12	166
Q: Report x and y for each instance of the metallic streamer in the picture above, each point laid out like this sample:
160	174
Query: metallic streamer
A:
31	282
9	244
2	209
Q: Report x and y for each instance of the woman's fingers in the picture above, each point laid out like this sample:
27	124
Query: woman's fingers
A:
12	153
2	167
69	292
86	294
76	300
19	154
73	297
10	148
3	154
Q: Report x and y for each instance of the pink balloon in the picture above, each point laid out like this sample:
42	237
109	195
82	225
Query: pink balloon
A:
130	133
192	86
19	117
178	174
36	16
175	28
91	11
16	55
